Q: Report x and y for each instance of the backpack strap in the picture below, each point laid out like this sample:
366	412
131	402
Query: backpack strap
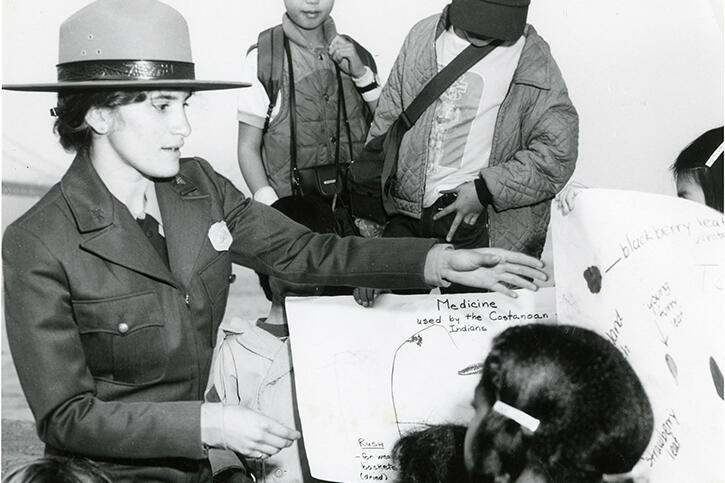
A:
270	63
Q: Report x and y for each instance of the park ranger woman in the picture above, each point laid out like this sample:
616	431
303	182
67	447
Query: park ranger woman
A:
117	279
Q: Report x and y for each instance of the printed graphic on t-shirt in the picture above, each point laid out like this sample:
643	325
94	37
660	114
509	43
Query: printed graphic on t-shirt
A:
454	115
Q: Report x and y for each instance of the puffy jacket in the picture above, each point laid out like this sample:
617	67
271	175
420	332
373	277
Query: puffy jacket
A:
534	143
316	99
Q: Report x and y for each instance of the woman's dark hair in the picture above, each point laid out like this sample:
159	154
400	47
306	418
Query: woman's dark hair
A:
691	164
314	213
432	455
595	417
70	123
58	470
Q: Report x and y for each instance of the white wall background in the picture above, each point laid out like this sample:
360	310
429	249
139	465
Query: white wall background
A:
645	75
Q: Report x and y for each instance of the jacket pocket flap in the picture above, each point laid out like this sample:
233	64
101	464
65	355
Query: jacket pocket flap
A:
122	315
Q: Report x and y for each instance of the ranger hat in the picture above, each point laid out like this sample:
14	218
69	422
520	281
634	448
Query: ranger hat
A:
120	44
499	19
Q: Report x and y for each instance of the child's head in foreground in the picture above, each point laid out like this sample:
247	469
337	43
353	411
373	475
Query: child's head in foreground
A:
556	403
698	170
57	470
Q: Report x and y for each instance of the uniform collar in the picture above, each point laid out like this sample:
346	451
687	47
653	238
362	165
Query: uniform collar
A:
92	203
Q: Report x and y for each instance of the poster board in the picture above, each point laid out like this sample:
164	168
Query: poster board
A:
364	376
646	272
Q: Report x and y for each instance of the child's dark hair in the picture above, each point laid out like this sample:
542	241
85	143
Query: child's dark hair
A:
595	417
70	123
691	163
58	470
431	455
314	213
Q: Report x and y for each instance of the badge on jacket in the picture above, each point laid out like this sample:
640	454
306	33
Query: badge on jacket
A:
219	236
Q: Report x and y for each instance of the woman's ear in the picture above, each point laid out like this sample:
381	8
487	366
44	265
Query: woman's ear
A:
99	119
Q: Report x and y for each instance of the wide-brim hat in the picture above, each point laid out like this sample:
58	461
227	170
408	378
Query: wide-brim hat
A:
125	44
499	19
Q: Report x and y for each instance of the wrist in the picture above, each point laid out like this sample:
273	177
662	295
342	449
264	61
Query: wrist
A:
266	195
367	85
484	195
435	264
212	425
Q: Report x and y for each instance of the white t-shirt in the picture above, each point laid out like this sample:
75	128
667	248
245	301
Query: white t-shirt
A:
465	115
253	102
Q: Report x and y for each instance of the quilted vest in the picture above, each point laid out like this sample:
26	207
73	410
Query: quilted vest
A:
316	99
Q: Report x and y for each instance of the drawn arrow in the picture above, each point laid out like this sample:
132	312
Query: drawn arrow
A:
663	339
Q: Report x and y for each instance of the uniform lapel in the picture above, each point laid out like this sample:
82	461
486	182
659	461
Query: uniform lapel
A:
106	226
186	219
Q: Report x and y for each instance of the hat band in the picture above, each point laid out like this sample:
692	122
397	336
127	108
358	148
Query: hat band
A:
125	70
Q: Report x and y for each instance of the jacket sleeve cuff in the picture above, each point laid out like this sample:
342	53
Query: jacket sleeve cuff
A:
212	425
482	191
435	262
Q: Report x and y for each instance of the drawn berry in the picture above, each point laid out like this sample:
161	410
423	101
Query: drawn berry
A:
594	279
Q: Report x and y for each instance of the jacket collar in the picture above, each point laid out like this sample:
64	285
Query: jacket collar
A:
111	232
89	200
534	65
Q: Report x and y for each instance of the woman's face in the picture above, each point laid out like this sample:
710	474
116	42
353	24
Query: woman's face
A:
148	135
689	189
482	407
308	14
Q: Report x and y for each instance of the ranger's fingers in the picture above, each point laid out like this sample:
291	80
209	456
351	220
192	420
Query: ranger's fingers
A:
526	271
274	441
518	281
282	431
520	258
265	450
501	288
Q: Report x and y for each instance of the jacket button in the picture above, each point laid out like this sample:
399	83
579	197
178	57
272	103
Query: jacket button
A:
123	327
187	300
232	277
279	472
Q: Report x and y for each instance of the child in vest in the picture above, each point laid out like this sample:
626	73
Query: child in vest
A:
555	404
252	365
321	60
481	164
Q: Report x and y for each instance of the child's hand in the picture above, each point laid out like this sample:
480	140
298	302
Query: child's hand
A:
365	296
344	54
467	207
565	198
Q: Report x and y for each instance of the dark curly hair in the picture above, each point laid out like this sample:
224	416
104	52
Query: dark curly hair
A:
57	470
595	417
432	455
691	164
70	123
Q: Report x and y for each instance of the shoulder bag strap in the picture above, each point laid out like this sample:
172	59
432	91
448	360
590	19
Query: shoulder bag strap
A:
435	88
